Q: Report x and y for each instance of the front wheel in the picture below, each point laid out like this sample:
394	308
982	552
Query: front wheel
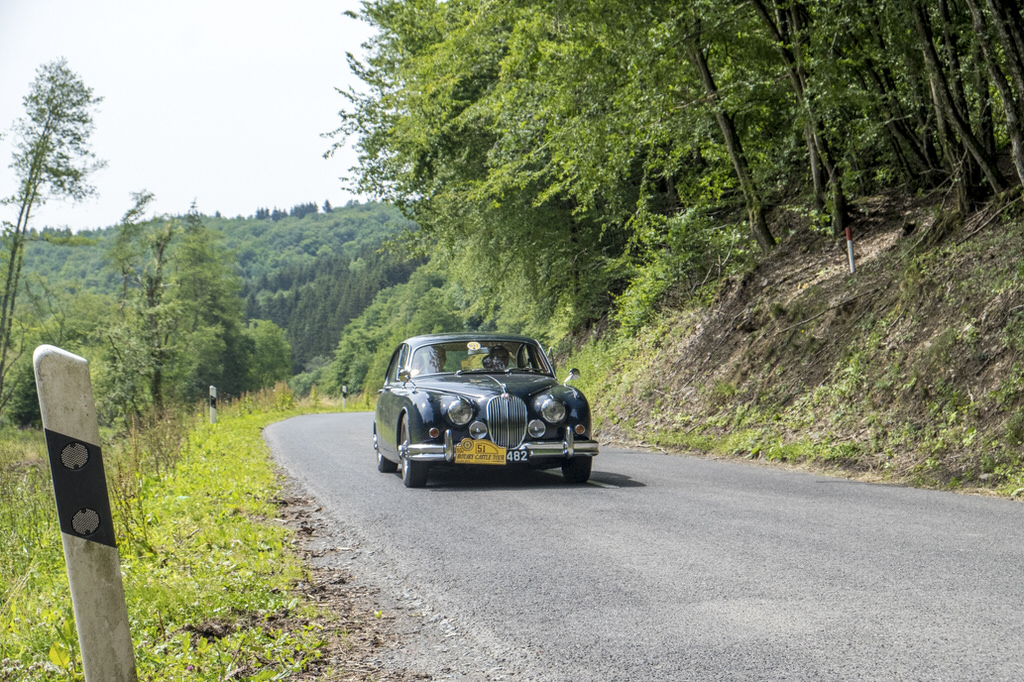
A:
577	469
414	474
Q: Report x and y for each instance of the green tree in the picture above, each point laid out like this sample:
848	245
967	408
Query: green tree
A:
207	287
140	341
271	354
179	323
52	159
435	142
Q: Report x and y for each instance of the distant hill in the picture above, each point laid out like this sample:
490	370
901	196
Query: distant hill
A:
309	274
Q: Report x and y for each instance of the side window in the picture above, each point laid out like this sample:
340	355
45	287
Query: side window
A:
395	364
537	359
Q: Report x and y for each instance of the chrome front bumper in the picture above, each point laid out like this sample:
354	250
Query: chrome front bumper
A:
445	452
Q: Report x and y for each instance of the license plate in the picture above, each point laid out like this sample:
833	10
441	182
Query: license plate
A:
469	451
517	456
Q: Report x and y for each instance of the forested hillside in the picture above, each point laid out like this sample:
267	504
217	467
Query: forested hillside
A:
311	272
218	301
601	173
613	156
606	162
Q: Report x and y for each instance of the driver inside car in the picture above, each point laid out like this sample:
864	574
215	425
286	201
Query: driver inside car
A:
497	359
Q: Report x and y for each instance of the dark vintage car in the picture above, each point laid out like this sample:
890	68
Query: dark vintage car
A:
472	399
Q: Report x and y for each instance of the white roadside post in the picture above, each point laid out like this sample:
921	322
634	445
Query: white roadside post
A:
849	247
213	404
83	508
344	397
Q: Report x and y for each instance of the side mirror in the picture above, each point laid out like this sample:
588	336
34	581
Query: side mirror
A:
574	374
404	376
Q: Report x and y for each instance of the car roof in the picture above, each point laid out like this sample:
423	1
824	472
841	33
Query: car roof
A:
454	337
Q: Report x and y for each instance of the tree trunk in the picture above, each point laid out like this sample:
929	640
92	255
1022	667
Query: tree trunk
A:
1011	91
755	209
15	238
786	26
1009	27
946	108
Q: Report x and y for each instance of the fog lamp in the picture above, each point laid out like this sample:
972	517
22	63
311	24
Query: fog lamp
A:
478	430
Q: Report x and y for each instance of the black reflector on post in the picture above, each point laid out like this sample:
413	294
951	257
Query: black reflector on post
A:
79	484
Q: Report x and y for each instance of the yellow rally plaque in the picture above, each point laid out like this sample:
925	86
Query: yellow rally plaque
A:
469	451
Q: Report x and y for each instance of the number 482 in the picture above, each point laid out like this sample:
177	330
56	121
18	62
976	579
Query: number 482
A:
517	456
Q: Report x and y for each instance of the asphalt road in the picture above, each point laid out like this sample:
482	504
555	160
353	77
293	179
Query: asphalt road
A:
675	568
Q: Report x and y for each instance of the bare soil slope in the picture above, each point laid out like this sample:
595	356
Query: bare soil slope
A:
908	369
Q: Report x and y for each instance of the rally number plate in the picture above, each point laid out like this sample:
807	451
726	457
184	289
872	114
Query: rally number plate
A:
469	451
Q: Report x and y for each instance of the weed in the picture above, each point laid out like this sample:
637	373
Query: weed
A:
723	389
1014	430
190	502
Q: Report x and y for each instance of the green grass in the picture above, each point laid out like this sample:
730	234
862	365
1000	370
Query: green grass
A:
194	507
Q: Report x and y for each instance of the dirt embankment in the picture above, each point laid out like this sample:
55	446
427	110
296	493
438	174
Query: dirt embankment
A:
908	369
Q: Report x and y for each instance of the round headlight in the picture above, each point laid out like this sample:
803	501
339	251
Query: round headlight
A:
536	428
460	412
553	411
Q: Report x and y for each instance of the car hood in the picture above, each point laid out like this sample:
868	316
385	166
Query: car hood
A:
484	385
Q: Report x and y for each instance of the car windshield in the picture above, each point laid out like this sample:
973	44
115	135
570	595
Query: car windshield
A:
476	356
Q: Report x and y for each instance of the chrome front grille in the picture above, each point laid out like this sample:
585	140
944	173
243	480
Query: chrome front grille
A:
506	420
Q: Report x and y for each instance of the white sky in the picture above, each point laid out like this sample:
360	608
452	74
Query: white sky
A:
221	101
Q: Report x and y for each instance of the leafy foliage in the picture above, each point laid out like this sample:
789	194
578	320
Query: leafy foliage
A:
554	145
178	326
269	362
52	158
423	305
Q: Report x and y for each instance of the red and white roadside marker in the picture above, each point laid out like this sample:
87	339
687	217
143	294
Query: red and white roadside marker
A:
849	247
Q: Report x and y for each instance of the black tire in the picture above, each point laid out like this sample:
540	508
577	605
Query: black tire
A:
577	469
414	474
384	465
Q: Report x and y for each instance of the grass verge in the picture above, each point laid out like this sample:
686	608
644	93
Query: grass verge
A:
208	571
